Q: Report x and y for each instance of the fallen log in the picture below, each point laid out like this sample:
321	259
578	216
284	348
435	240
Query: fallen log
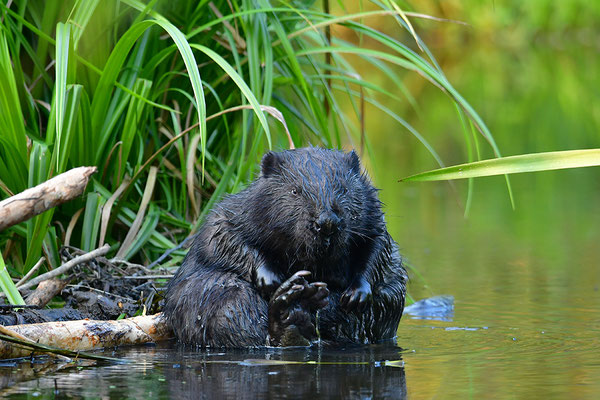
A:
44	196
84	335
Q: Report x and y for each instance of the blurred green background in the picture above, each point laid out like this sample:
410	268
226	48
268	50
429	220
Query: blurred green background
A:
531	70
526	282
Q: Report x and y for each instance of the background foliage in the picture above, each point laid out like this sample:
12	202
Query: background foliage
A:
175	101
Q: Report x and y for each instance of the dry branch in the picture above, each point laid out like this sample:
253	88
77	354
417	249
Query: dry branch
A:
44	196
66	266
86	334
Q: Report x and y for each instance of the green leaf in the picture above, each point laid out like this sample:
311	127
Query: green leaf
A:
83	12
39	167
91	221
63	35
133	121
513	165
51	247
12	128
39	227
8	286
70	127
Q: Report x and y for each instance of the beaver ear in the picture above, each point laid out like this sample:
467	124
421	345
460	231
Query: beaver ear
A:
353	162
270	164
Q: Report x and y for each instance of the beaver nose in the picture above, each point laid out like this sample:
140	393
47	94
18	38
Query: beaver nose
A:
327	224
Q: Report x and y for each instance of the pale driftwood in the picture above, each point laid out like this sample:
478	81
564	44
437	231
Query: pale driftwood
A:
66	266
45	291
44	196
16	335
86	334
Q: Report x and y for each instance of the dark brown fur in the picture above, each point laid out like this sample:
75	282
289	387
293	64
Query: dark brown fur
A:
307	235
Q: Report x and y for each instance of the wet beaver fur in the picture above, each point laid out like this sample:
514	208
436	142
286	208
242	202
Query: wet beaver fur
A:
307	235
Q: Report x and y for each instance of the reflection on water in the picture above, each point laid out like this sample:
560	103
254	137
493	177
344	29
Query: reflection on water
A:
439	308
169	371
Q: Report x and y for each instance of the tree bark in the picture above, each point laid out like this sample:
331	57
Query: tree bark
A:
86	334
44	196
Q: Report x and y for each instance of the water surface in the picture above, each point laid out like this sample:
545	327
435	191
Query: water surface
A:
526	324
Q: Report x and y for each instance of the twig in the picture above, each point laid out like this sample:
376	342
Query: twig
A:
168	252
31	272
92	289
66	266
169	276
14	307
128	264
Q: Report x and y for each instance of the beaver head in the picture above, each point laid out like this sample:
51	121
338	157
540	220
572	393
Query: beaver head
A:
311	206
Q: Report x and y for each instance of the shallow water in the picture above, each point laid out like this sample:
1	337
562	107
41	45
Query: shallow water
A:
166	371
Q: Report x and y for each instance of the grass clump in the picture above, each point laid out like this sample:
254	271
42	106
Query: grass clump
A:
174	102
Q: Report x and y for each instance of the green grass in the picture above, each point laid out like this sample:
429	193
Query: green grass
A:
175	102
514	165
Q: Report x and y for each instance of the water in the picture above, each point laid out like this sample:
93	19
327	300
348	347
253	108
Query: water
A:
166	371
526	321
535	308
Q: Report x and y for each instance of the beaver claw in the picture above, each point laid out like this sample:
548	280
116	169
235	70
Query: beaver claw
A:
292	309
357	297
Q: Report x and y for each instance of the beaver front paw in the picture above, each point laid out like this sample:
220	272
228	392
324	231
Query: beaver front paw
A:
292	311
357	297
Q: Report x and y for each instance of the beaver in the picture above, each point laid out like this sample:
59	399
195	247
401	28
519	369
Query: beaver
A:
303	253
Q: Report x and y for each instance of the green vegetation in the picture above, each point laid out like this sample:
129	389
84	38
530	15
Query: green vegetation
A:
540	49
175	102
7	285
514	165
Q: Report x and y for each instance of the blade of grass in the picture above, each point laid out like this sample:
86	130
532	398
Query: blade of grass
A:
513	165
63	36
133	120
145	232
70	129
135	226
11	123
107	209
239	81
8	286
409	26
83	11
91	221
